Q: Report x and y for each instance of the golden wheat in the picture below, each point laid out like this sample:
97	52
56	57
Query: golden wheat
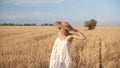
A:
31	46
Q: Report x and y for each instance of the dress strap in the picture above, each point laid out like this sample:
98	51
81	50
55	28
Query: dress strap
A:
59	33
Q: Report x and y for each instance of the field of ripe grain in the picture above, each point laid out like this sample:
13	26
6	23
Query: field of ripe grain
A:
31	46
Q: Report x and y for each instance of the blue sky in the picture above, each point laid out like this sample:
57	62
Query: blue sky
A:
76	12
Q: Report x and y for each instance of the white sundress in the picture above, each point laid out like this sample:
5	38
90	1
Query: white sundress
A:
61	54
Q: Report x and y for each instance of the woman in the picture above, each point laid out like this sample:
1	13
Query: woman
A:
61	53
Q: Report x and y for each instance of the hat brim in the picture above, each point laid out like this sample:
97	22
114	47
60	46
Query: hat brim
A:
68	27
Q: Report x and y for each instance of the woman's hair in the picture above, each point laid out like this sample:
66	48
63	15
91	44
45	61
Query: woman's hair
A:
64	25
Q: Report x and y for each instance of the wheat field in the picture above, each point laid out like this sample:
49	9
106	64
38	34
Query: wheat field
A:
31	46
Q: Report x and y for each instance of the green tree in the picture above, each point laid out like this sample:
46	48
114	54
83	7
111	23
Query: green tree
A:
90	24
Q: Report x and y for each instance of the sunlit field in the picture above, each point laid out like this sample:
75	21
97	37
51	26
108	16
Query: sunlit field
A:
31	46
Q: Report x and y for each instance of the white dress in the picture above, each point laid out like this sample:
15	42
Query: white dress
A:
61	54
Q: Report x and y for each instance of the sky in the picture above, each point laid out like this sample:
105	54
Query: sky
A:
76	12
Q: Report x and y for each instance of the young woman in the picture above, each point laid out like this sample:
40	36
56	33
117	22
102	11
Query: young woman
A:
61	52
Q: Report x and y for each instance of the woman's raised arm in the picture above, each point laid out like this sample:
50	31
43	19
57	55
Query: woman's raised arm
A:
78	35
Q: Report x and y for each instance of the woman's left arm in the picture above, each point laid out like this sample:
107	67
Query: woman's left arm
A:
78	35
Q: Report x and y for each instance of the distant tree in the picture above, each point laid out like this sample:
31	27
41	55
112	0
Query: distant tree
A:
90	24
11	24
34	24
19	24
46	24
5	24
50	24
14	24
27	24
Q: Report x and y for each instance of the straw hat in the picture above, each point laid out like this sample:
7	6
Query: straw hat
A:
64	25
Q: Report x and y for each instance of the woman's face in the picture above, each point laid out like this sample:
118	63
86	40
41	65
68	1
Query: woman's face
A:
63	31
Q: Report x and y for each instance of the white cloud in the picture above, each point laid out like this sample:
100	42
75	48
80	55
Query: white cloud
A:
30	2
